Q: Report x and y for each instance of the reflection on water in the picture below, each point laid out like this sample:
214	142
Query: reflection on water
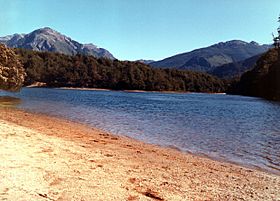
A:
239	129
8	101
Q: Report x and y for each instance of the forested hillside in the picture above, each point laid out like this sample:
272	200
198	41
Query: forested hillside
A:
59	70
235	69
263	80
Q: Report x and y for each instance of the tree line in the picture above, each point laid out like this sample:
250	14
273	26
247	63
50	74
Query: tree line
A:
59	70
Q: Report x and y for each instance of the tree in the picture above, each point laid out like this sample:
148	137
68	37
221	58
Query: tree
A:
276	40
11	71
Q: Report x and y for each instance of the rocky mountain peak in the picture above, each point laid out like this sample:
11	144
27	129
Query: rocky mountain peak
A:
254	43
232	43
50	40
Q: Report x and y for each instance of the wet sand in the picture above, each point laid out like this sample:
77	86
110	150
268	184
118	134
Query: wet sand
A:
46	158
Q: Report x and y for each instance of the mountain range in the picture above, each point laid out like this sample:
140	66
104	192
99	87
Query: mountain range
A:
208	58
225	59
47	39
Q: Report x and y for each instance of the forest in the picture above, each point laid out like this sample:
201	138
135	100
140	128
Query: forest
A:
59	70
262	81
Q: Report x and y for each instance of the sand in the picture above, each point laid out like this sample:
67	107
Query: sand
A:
46	158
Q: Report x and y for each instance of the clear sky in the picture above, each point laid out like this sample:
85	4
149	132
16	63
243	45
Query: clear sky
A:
145	29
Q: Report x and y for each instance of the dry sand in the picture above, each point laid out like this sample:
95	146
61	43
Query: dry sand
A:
45	158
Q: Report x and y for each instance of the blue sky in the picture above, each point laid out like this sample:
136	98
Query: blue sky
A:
145	29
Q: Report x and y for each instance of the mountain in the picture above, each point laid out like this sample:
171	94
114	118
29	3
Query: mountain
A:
145	61
205	59
263	80
235	69
49	40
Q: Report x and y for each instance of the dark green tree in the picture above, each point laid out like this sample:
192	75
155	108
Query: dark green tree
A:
59	70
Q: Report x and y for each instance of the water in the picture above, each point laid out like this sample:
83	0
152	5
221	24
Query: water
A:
238	129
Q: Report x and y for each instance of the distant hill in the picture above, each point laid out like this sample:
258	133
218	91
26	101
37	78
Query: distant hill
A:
206	59
263	80
235	69
49	40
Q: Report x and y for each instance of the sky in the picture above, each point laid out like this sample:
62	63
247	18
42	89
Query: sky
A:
145	29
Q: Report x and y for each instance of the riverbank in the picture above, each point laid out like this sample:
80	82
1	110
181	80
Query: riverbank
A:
46	158
43	85
124	90
134	90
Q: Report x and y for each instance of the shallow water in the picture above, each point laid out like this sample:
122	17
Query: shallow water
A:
9	101
238	129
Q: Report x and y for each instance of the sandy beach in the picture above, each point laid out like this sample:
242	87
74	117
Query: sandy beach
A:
46	158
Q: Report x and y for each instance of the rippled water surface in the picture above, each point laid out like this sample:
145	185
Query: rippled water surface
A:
239	129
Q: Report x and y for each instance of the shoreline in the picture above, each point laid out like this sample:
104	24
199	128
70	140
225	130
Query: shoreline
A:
136	90
169	147
147	171
121	90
